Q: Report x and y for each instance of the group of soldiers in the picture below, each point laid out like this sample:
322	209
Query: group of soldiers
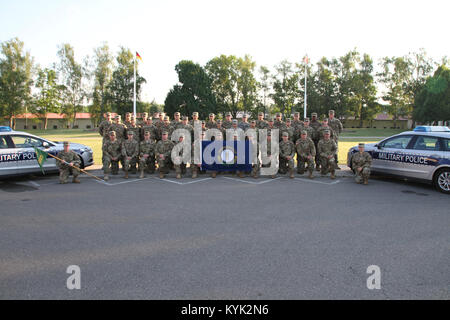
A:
148	143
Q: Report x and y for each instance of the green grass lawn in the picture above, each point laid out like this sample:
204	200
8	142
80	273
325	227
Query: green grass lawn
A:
93	140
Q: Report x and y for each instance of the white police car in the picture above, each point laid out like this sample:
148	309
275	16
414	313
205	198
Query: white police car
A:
422	154
17	155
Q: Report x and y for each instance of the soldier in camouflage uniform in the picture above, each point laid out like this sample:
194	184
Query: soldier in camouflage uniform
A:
176	122
130	153
297	124
195	164
211	123
186	126
143	120
112	151
337	127
279	123
160	122
135	129
163	152
287	153
127	121
261	123
166	126
150	127
306	152
289	129
244	125
180	169
227	123
326	150
195	120
147	155
361	162
71	161
270	125
269	150
104	125
119	128
315	125
325	127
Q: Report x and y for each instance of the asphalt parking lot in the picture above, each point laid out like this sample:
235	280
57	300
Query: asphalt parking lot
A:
223	238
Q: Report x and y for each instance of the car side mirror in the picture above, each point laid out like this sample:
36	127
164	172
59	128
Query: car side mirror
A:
378	146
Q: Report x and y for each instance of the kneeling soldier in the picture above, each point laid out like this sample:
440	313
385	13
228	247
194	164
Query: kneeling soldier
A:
163	154
147	155
361	163
71	160
306	153
326	150
287	152
130	152
112	151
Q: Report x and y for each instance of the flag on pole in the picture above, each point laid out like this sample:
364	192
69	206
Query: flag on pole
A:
306	59
41	157
138	56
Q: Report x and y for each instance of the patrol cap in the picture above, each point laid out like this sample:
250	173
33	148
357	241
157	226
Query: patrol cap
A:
326	132
245	115
66	143
145	114
166	118
112	133
331	112
219	121
306	119
285	134
260	113
194	113
118	117
203	122
212	115
253	121
304	132
296	113
165	132
314	114
288	120
130	133
185	118
147	132
270	119
361	144
176	113
234	121
278	114
228	114
325	120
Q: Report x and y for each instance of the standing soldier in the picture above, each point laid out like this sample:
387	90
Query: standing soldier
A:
104	125
279	123
160	121
180	169
211	123
261	123
337	126
127	121
287	152
315	124
176	122
326	150
227	123
72	161
147	155
306	152
195	120
112	151
269	151
150	127
325	127
186	126
220	128
119	128
165	127
361	162
130	152
163	152
244	125
143	120
297	124
255	147
289	129
270	125
135	129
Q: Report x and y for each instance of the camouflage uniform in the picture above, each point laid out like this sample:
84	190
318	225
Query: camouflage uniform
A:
227	124
305	148
152	129
111	150
64	169
287	149
130	149
261	124
120	130
211	124
147	147
337	127
290	131
244	125
164	148
364	161
325	149
137	132
321	131
315	125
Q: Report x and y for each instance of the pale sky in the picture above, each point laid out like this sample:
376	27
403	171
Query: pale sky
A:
165	32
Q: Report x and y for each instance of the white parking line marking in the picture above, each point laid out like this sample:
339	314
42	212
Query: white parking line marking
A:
251	182
321	182
123	182
34	184
184	183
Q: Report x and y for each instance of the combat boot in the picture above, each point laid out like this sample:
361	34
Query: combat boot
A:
194	174
273	176
333	176
213	174
126	175
106	177
310	176
178	175
75	180
241	174
366	181
142	176
291	173
161	175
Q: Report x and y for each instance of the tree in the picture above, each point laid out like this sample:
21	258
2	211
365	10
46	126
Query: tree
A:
433	101
246	83
264	85
48	97
71	75
285	87
121	86
16	69
192	93
102	76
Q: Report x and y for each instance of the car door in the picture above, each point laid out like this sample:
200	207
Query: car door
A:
390	155
8	163
425	155
26	160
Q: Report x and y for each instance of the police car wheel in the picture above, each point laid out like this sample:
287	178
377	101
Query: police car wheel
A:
81	163
442	181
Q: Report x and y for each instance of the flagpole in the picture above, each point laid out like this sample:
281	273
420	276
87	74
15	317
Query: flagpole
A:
306	76
74	167
134	101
